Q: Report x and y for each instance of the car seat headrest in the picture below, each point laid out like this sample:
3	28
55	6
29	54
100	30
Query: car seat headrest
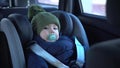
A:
4	3
23	27
72	26
65	22
113	12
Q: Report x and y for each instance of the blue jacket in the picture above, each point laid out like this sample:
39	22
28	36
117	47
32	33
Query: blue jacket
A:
62	49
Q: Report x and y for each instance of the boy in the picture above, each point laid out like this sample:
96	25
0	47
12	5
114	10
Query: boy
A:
46	27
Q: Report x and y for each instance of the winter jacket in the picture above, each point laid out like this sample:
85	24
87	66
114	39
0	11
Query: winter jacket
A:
62	49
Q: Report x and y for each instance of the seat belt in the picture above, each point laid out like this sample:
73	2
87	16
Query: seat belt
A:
80	53
38	50
52	60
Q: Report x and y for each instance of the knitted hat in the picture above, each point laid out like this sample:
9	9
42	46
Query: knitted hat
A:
33	10
43	19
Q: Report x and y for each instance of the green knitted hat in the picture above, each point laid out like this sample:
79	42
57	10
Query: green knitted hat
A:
33	10
43	19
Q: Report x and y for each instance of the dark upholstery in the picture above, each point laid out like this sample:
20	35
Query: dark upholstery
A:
65	22
11	49
4	12
4	3
113	12
23	27
5	61
11	46
104	55
107	54
79	31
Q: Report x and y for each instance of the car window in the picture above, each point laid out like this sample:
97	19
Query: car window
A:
95	7
53	3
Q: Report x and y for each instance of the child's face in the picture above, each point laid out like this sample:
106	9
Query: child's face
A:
48	30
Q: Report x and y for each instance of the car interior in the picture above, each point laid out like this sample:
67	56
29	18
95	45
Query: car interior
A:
18	36
16	32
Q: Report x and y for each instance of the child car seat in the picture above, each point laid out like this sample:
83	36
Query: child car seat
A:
69	22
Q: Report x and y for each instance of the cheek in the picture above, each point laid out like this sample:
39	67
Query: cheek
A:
44	35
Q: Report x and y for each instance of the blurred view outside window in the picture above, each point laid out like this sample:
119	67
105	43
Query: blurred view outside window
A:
51	2
96	7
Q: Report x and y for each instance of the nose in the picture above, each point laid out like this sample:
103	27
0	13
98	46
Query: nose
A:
51	30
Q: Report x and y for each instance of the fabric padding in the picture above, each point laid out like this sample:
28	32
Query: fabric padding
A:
14	44
65	22
23	27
